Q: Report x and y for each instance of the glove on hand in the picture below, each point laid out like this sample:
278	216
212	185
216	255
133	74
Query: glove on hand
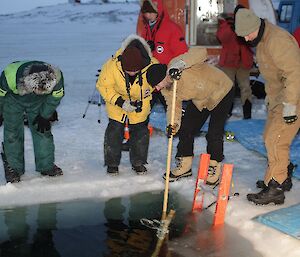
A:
172	130
54	117
175	69
289	113
151	44
127	107
175	73
43	124
1	120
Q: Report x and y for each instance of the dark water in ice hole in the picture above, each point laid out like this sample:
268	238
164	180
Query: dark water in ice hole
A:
112	228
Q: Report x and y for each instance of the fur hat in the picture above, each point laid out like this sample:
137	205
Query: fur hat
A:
132	59
246	22
38	78
156	73
149	7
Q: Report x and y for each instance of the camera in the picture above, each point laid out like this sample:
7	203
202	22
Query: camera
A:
138	105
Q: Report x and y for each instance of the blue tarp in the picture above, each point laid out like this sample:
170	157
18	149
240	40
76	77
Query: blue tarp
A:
247	132
250	134
286	220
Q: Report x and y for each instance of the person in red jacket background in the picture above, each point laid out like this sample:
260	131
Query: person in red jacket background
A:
236	60
164	36
296	34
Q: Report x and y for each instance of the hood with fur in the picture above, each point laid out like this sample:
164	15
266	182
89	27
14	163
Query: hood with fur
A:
38	78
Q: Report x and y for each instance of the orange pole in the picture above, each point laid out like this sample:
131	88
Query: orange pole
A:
201	178
224	190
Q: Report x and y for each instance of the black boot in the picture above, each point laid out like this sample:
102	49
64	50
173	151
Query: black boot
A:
54	172
111	170
287	184
140	169
273	193
247	110
11	175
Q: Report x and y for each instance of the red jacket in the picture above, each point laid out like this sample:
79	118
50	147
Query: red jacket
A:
234	54
167	36
297	35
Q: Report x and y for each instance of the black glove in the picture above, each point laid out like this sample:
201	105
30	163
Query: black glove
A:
53	117
290	119
175	73
43	124
151	44
171	130
1	120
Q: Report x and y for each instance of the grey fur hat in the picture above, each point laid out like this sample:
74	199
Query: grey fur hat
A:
38	78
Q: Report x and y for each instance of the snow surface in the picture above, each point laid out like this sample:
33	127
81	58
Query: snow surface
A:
78	39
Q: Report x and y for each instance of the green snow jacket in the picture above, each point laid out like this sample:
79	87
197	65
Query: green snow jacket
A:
14	82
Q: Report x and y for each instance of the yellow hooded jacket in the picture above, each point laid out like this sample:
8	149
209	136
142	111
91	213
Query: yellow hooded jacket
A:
111	85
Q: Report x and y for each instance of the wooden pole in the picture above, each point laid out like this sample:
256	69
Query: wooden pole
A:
165	227
169	156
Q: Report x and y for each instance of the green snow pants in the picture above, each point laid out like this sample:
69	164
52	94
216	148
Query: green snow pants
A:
13	115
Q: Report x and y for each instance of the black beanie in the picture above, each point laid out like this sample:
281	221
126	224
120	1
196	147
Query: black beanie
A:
132	59
156	73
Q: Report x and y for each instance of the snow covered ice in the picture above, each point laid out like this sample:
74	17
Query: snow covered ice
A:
78	39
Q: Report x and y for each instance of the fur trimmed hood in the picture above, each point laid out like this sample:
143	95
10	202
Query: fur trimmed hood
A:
38	78
132	40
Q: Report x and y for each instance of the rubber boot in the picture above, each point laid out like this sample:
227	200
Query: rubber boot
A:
140	169
54	172
111	170
287	184
273	193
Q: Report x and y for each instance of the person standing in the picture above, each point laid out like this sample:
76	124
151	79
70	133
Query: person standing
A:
278	58
122	84
209	93
36	89
236	60
164	36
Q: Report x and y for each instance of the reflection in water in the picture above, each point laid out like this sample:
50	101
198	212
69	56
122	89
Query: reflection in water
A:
113	229
43	244
18	233
17	230
125	237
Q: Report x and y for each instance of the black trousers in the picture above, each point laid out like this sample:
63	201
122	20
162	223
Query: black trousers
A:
139	143
192	122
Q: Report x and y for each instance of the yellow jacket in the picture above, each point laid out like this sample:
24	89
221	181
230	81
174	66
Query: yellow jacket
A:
111	85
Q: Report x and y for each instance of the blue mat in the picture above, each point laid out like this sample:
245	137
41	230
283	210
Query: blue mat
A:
286	220
247	132
250	134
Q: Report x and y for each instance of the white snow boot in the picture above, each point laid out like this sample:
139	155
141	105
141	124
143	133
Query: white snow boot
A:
214	171
183	168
